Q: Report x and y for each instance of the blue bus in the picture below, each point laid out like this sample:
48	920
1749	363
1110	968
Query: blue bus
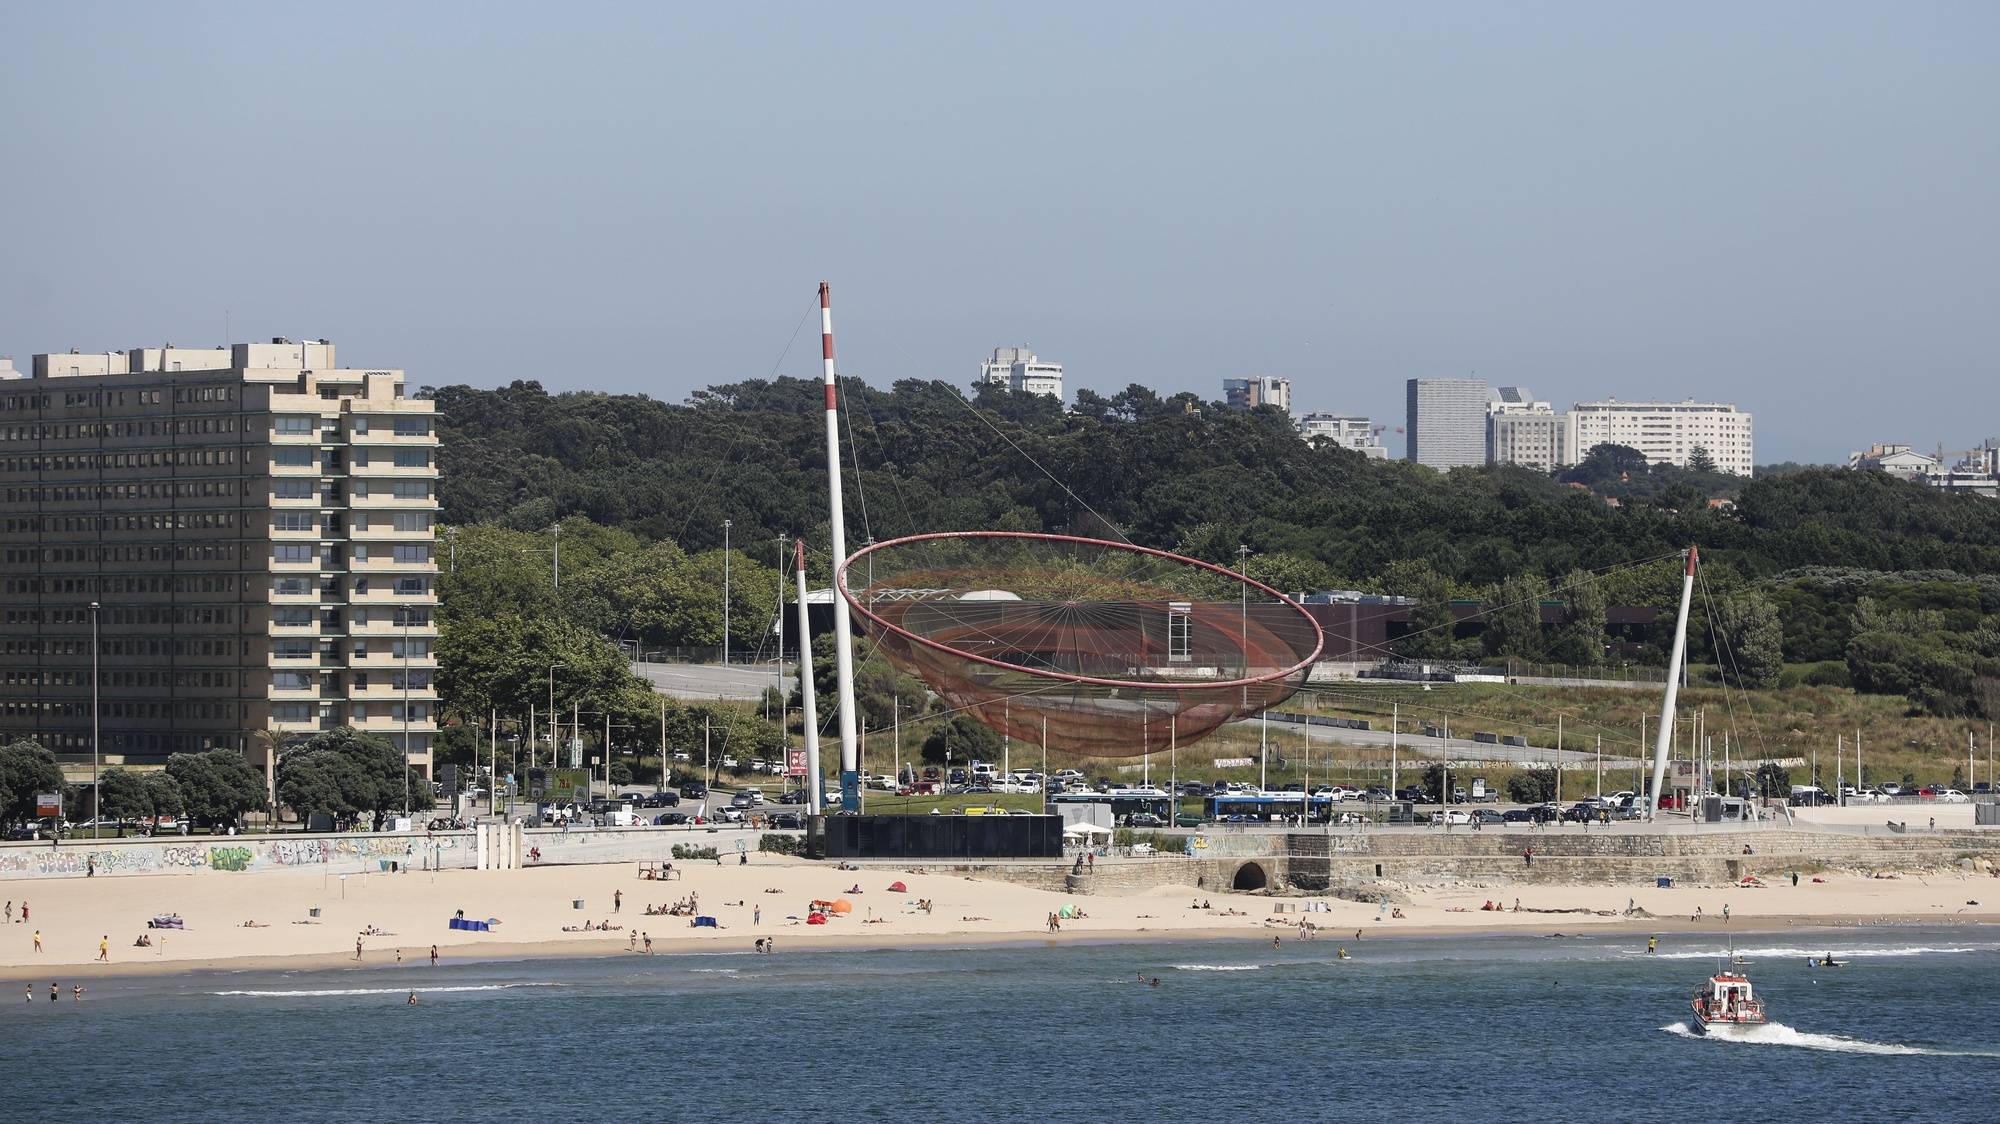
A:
1267	807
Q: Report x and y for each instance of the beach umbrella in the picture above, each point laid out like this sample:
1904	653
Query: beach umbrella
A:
842	905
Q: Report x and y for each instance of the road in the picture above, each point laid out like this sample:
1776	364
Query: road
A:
712	681
1459	750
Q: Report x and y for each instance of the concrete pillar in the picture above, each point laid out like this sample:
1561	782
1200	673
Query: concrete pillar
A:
479	846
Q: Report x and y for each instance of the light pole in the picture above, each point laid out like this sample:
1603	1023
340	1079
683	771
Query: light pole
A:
552	722
96	754
725	593
406	712
555	557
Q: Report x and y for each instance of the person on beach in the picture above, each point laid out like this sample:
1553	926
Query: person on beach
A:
55	993
29	993
76	994
1725	911
434	956
617	900
104	947
10	911
24	911
756	915
1652	945
412	1001
38	940
1528	856
357	948
647	940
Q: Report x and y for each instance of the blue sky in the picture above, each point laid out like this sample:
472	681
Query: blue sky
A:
1785	205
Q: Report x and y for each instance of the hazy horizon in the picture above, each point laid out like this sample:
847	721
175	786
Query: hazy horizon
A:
1785	206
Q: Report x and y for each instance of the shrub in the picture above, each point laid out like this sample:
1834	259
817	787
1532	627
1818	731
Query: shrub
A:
782	844
690	851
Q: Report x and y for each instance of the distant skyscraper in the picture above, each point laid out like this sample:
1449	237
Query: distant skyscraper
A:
1019	370
1520	430
1265	390
1447	422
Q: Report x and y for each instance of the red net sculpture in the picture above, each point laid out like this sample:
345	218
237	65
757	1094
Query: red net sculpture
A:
1121	650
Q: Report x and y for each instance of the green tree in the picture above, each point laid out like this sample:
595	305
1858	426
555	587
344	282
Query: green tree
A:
217	786
1773	781
1699	460
965	737
1533	785
26	770
164	796
1753	642
345	773
1432	621
1514	625
122	795
1579	638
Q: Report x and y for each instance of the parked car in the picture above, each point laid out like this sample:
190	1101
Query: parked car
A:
787	821
794	796
694	790
1488	815
670	819
1188	819
1952	796
727	815
1517	815
1144	819
1451	816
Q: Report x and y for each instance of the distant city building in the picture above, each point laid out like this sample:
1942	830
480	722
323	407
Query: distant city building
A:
1976	472
1897	460
1447	422
1522	431
1349	431
255	525
1248	394
8	370
1666	432
1019	370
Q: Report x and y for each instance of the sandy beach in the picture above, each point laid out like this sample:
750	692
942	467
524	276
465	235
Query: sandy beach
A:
771	897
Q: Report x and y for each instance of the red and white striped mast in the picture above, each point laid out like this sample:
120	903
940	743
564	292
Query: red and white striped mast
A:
843	625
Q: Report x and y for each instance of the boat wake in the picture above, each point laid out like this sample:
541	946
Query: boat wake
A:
322	992
1778	1034
1218	967
1843	954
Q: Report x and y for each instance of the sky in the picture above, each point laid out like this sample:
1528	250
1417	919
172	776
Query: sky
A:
1789	206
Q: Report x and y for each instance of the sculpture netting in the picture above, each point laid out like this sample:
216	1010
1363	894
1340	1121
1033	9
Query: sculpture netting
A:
1120	650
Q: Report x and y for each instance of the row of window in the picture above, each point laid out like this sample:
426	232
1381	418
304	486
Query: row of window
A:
305	648
414	521
415	680
144	646
314	712
131	743
298	424
100	493
124	677
207	709
134	614
205	456
121	430
115	586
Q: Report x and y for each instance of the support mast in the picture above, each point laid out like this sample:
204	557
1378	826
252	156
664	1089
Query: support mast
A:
1675	663
843	625
813	780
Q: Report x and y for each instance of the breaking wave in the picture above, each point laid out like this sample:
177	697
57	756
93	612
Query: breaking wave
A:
321	992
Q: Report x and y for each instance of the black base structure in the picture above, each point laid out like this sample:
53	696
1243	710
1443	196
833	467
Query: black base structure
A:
934	837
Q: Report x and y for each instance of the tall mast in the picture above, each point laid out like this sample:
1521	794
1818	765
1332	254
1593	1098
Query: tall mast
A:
1675	663
811	716
843	626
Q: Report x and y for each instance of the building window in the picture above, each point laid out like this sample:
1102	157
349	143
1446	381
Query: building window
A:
293	649
292	587
412	554
413	458
300	424
413	521
293	521
412	587
293	489
300	457
413	427
301	617
412	490
292	680
294	552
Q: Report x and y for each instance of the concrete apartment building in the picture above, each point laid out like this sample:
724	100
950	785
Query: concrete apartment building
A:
1523	431
1264	390
256	526
1667	432
1447	422
1018	369
1349	431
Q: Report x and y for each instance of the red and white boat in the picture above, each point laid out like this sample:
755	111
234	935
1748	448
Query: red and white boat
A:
1726	1006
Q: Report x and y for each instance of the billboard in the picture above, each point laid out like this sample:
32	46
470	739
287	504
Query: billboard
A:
48	804
551	785
795	763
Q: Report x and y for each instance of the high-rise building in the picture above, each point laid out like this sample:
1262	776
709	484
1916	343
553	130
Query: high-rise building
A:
1349	431
1523	431
254	527
1019	370
1447	422
1264	390
1667	432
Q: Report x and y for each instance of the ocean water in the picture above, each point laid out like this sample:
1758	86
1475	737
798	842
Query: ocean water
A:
1489	1028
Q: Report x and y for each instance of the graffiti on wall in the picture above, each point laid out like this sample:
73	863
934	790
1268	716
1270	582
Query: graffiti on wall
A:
148	857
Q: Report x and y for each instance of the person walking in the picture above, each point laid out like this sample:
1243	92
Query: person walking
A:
104	948
55	993
357	948
38	940
617	900
434	956
756	915
1528	856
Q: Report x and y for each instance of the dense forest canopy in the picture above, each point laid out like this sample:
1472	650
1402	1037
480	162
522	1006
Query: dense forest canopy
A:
1797	552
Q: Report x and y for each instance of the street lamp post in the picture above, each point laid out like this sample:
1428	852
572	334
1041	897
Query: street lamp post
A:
725	592
552	723
96	753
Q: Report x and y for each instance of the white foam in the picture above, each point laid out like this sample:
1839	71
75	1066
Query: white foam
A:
714	971
1778	1034
1840	954
321	992
1217	967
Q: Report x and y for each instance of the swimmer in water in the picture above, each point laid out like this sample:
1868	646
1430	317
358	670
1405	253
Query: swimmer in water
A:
1341	955
413	999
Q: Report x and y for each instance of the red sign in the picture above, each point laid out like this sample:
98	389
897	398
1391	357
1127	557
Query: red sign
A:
795	763
48	804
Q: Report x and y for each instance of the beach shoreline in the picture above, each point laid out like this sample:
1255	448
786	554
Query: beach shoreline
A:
310	922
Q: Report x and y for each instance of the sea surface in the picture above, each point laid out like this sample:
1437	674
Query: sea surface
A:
1461	1028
